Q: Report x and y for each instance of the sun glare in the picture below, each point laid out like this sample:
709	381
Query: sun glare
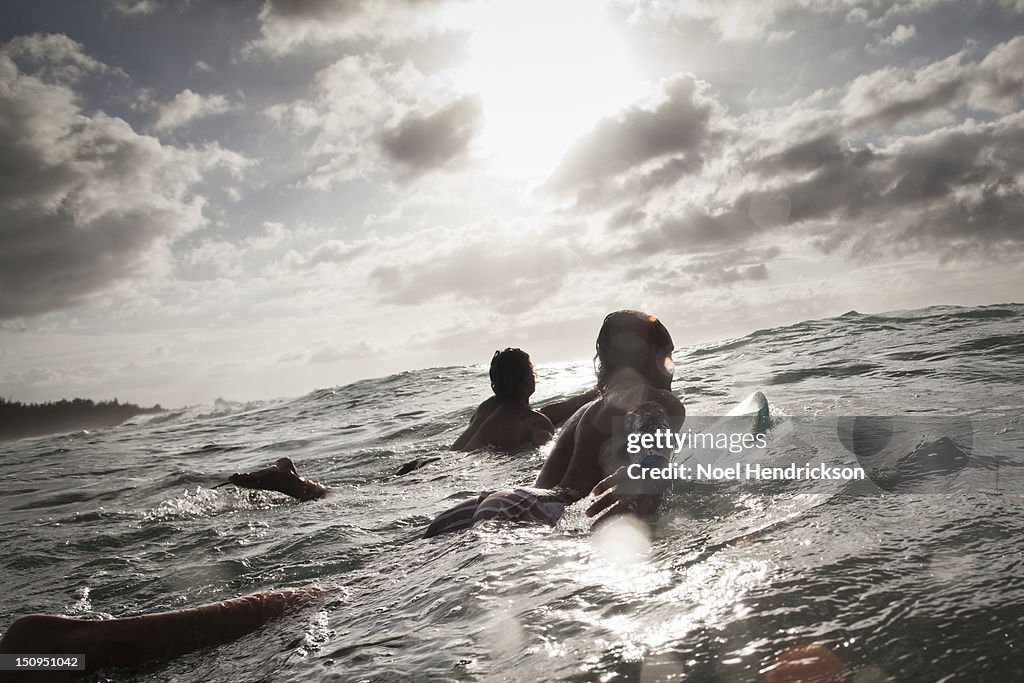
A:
546	72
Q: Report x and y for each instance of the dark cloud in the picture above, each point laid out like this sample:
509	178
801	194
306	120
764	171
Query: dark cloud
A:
995	217
825	149
954	185
678	125
695	230
642	184
421	143
966	172
958	185
85	199
841	189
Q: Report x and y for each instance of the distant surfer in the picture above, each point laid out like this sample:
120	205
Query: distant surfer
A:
634	378
504	420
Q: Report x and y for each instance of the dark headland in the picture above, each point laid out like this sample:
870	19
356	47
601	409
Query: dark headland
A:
18	420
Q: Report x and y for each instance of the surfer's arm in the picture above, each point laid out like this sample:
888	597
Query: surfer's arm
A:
282	477
541	429
130	641
561	411
561	454
629	488
481	414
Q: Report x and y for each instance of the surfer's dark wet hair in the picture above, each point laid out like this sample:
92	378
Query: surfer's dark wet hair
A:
636	340
511	374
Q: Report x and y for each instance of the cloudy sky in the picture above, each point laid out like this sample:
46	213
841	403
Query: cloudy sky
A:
252	199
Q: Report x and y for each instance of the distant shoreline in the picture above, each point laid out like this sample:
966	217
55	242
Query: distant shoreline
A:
19	420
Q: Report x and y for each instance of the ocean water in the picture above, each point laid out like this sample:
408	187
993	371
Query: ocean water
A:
923	582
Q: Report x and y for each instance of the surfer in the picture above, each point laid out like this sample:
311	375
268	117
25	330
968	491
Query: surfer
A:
634	377
505	420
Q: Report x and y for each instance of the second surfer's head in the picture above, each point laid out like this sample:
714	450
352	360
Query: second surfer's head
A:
512	375
633	342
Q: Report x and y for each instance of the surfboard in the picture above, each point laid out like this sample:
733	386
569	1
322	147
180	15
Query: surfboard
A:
750	416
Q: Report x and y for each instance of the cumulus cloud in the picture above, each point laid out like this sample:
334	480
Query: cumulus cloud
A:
86	199
142	8
286	25
959	185
52	57
803	170
187	106
998	82
133	8
901	34
730	19
749	20
366	115
895	94
956	185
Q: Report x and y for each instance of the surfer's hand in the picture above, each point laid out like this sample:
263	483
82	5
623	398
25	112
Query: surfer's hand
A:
619	493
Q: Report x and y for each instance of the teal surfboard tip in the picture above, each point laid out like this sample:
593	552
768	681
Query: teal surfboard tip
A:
763	412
